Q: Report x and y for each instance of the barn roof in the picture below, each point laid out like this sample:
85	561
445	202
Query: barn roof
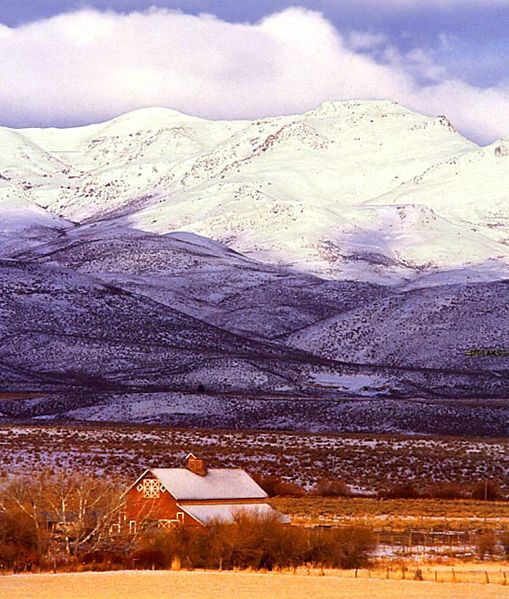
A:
227	511
218	483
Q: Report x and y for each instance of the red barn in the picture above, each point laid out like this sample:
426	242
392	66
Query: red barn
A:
192	496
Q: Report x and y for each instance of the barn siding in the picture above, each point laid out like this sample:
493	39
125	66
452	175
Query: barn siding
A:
139	508
163	506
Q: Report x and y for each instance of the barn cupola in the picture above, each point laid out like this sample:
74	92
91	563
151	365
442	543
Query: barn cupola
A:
196	465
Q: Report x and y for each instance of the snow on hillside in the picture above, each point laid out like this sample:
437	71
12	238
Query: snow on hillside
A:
471	189
359	249
20	157
67	329
203	279
422	328
23	224
326	191
386	336
414	237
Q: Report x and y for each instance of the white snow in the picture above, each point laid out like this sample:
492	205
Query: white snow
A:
355	383
354	190
227	512
218	483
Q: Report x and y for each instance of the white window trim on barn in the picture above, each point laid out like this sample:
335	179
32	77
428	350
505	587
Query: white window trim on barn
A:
151	488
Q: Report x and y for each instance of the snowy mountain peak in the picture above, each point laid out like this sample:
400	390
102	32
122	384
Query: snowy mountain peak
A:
339	107
353	250
145	118
335	191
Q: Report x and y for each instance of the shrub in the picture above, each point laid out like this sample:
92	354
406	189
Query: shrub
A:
181	544
256	542
405	490
447	491
145	558
354	546
342	547
20	545
277	487
487	490
18	557
504	539
486	544
331	488
102	558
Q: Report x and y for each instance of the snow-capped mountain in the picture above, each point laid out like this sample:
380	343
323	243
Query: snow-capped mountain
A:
359	249
471	189
354	190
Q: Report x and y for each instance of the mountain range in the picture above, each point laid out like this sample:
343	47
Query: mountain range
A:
357	250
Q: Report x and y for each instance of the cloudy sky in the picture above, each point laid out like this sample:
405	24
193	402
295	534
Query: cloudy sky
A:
67	62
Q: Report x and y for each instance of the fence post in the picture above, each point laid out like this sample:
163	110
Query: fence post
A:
487	577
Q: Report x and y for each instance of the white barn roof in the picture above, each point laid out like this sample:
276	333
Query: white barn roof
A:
218	483
227	511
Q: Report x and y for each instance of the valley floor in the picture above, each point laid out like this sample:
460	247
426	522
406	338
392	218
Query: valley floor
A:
210	585
365	461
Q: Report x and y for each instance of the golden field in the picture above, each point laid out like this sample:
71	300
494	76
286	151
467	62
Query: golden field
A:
397	514
235	585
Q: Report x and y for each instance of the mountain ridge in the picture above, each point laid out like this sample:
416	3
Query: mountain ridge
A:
359	250
159	170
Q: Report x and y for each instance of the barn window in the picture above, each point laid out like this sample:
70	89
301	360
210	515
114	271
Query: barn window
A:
151	488
132	527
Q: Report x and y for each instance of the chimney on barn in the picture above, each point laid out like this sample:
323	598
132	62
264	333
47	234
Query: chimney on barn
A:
196	465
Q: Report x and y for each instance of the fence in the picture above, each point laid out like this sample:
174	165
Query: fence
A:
491	575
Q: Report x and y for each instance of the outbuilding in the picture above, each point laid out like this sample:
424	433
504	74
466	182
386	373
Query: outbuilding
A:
193	496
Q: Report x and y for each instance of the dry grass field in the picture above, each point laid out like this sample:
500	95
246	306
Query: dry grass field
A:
397	514
232	585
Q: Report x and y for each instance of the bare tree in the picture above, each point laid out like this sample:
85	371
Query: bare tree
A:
85	509
65	513
21	512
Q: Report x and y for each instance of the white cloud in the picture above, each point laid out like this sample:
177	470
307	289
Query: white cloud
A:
481	113
90	65
366	40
